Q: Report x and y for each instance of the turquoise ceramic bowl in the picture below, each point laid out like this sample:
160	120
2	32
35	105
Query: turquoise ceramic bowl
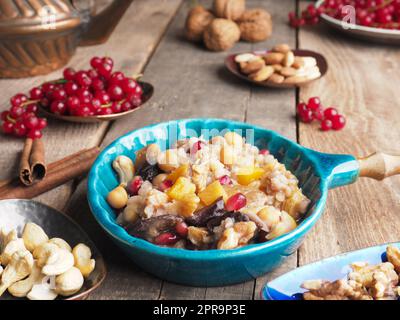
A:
317	172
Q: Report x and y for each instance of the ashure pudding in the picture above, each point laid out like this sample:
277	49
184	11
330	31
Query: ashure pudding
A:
222	193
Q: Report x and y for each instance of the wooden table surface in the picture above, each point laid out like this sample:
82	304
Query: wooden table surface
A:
362	81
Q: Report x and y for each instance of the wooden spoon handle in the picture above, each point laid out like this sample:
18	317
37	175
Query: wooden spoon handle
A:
379	165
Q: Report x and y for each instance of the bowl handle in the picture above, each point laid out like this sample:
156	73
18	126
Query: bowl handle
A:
337	169
379	165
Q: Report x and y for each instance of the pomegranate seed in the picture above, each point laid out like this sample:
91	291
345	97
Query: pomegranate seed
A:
166	184
165	239
326	125
225	180
338	122
236	202
181	229
134	185
197	146
314	103
330	112
264	152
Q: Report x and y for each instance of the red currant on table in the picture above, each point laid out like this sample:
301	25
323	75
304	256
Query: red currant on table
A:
338	122
330	112
314	103
326	125
306	116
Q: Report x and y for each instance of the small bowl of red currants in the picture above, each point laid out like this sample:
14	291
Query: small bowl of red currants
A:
374	20
97	94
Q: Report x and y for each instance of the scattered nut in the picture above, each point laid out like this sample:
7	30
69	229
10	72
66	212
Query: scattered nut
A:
82	255
288	59
283	48
43	252
252	66
125	169
21	288
288	71
19	267
274	58
69	282
196	22
255	25
12	247
276	78
63	261
221	34
42	291
33	236
229	9
262	74
61	243
245	57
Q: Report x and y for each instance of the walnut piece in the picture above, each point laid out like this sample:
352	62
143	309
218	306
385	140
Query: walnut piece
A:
255	25
221	34
393	256
196	22
229	9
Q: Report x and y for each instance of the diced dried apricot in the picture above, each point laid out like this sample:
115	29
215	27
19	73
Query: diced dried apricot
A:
212	193
188	205
181	188
182	171
249	174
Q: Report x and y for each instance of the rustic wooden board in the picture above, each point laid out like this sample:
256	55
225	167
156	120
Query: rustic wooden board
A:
362	82
191	82
135	36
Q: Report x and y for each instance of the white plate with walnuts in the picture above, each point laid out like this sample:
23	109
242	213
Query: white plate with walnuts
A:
280	67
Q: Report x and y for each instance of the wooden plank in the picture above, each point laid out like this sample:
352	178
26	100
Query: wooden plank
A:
362	83
191	82
125	280
136	36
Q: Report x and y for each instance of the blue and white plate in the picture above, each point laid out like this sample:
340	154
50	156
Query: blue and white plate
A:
288	286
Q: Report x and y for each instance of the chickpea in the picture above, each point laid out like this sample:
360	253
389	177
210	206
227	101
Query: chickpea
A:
117	198
233	139
228	155
270	215
286	225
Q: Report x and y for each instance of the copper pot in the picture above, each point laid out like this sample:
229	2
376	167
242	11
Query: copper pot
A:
39	36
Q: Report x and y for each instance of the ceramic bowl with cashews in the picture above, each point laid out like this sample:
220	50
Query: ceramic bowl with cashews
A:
279	67
37	267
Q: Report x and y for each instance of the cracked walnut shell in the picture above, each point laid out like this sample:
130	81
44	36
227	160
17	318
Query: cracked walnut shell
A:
196	22
229	9
255	25
221	35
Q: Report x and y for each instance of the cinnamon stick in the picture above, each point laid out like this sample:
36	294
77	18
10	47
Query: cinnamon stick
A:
32	165
58	173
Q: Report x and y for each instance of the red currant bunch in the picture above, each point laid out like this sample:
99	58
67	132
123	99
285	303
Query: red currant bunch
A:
328	118
97	91
383	14
21	119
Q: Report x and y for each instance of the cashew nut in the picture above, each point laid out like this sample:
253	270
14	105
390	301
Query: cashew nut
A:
6	238
43	253
63	261
42	291
19	267
61	243
33	236
125	169
12	247
21	288
83	261
69	282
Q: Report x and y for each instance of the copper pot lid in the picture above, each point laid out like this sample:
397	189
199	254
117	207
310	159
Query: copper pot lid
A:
26	16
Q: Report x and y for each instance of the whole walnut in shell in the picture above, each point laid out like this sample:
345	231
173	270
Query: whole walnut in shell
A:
221	34
255	25
196	22
229	9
